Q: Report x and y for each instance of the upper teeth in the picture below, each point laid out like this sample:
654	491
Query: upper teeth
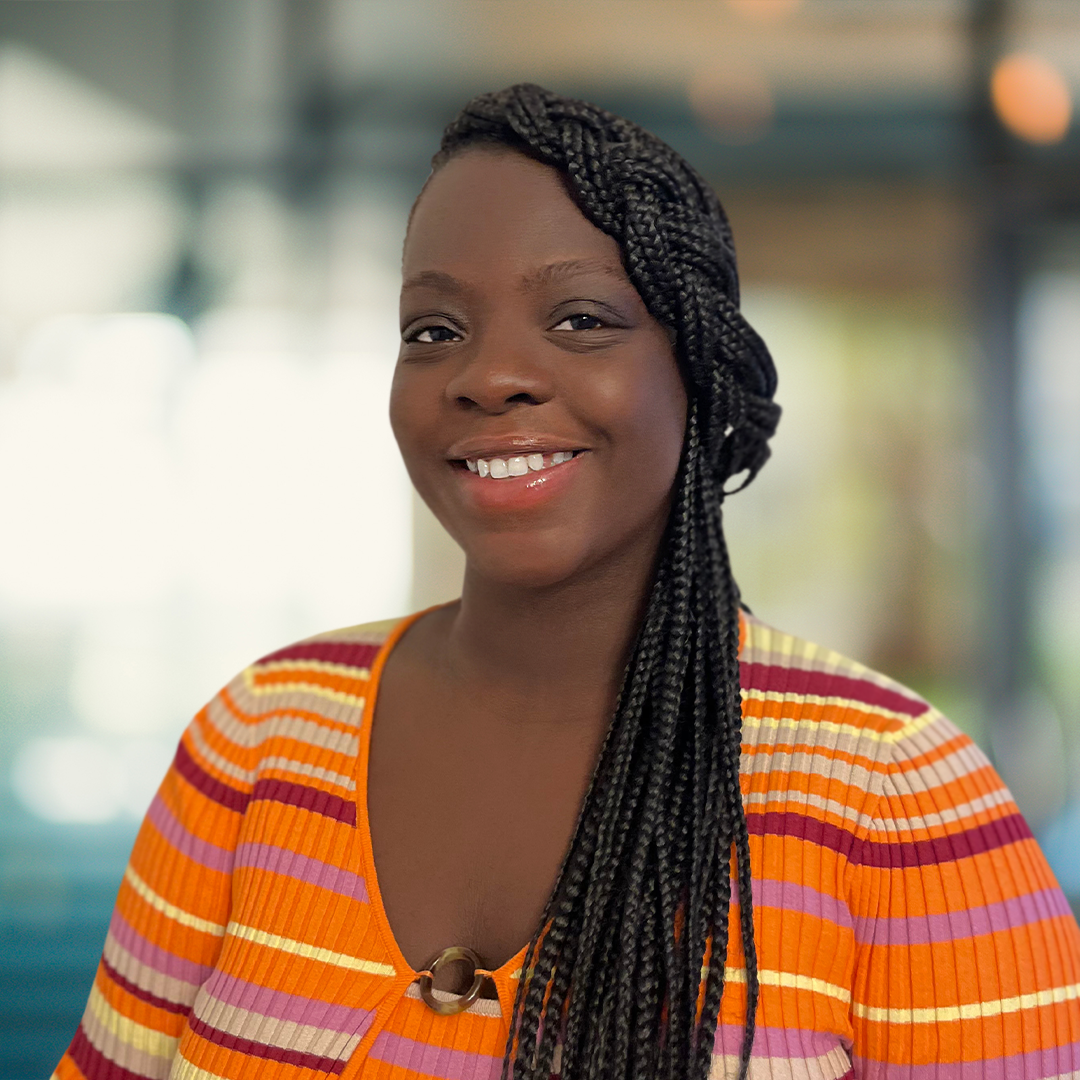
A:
500	468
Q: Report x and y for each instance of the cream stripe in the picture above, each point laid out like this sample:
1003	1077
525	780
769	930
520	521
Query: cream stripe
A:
892	828
833	1063
303	688
137	1036
973	1011
159	903
249	734
911	726
222	764
858	779
962	812
183	1070
302	768
480	1007
309	952
783	799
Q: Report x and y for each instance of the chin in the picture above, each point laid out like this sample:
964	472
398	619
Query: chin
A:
523	563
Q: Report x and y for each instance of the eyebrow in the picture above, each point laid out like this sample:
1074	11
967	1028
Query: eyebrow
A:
435	279
544	275
569	268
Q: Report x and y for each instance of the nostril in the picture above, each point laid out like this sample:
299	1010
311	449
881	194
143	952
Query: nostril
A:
496	403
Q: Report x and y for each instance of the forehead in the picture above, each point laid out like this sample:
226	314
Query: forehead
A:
503	212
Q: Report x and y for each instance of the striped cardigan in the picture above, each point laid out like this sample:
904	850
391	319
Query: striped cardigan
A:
907	923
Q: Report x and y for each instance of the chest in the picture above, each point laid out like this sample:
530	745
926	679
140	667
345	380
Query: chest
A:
471	814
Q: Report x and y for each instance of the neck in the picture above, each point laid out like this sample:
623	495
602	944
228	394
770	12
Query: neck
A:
567	643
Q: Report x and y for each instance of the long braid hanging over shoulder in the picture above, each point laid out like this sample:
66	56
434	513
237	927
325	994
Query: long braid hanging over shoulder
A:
625	977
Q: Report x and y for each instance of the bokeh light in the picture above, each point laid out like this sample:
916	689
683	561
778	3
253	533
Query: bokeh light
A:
764	10
1031	98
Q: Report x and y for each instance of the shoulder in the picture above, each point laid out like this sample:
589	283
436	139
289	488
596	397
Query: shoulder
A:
859	748
819	687
307	690
832	723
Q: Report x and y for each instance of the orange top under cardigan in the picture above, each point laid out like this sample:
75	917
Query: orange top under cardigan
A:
907	924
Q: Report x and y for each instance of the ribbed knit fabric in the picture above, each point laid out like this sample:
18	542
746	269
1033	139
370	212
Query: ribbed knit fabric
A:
907	923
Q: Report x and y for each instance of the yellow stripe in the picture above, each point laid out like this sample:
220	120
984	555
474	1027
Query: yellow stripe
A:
830	725
137	1036
159	903
303	688
789	981
973	1011
309	952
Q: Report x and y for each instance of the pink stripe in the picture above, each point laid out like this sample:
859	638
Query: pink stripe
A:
176	967
1055	1061
801	898
434	1061
240	994
784	1044
191	847
278	860
1020	911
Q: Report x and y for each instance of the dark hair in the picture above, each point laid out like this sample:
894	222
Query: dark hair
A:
624	976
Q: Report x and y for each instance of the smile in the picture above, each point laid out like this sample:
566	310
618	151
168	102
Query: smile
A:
521	465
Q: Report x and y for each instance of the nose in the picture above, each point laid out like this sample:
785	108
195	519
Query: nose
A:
496	377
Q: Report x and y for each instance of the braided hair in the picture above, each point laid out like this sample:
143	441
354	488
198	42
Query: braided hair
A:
623	978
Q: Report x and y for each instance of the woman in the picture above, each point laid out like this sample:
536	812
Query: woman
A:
567	800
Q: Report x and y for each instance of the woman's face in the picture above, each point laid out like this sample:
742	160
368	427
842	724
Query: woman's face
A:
523	343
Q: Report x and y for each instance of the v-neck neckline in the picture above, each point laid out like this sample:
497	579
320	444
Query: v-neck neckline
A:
503	976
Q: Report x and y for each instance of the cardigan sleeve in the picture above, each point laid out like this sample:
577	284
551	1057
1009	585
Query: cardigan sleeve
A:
967	953
172	908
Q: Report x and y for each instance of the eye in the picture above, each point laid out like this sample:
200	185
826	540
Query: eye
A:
580	321
433	335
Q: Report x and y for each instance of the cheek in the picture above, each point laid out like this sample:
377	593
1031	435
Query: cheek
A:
410	411
651	405
398	412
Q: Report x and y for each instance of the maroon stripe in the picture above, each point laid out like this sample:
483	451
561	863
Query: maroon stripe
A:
307	798
786	680
94	1065
271	1053
346	653
896	855
209	785
141	994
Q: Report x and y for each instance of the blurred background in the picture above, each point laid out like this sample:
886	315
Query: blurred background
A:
201	210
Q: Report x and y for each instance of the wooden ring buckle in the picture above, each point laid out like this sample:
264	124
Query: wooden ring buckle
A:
459	1004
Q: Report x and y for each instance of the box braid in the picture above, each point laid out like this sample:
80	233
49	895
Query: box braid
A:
625	976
